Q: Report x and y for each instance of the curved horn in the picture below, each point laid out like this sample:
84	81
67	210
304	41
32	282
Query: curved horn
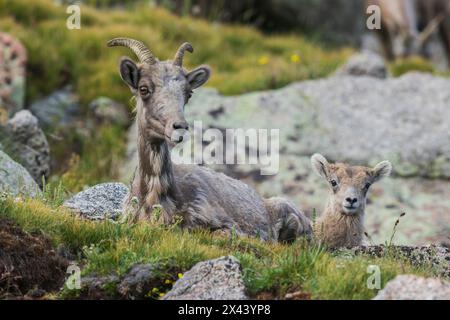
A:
139	49
178	59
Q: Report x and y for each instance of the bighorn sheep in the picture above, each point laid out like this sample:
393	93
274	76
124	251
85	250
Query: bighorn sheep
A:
200	196
401	21
342	222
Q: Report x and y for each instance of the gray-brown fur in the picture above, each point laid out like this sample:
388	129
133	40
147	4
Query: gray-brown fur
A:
202	197
407	25
342	221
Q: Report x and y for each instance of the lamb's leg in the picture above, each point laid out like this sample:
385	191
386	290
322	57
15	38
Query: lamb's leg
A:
288	223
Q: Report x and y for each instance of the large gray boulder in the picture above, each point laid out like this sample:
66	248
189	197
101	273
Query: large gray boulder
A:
409	287
362	120
15	179
218	279
30	144
99	202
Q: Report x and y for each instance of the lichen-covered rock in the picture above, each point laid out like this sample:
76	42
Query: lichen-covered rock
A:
436	257
410	287
30	144
13	58
15	179
365	63
99	202
106	110
218	279
58	110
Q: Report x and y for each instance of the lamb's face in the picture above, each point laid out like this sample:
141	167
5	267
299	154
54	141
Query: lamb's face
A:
349	184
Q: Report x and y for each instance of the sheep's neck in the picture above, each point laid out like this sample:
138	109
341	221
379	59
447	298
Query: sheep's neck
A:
155	172
340	229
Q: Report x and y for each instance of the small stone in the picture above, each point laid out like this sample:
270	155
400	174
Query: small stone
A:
365	63
99	202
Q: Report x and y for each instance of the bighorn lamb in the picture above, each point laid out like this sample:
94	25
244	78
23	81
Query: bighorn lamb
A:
200	196
342	222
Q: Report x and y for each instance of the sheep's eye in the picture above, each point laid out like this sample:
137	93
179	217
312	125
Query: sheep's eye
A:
333	183
143	90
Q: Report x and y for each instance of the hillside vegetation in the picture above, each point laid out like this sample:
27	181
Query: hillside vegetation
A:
242	58
270	270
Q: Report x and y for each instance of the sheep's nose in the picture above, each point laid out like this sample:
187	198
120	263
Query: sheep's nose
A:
181	125
351	200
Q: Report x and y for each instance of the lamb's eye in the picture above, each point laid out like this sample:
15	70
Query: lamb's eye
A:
333	183
143	90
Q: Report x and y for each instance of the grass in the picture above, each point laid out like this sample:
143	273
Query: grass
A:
107	247
242	58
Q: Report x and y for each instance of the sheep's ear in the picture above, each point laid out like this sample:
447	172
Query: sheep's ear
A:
320	165
383	169
129	73
198	76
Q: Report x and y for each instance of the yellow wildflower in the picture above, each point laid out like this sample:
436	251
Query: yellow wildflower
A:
295	58
167	281
180	275
263	60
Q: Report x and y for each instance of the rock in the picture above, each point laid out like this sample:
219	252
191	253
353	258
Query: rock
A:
13	58
134	284
409	287
365	63
30	144
106	110
95	287
320	116
99	202
218	279
138	281
58	110
15	179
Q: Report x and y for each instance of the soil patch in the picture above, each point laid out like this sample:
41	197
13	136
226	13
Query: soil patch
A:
28	262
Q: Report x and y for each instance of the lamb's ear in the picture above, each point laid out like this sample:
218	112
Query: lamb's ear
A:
129	73
382	169
320	165
198	76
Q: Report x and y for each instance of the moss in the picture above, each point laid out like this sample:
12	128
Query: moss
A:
406	65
